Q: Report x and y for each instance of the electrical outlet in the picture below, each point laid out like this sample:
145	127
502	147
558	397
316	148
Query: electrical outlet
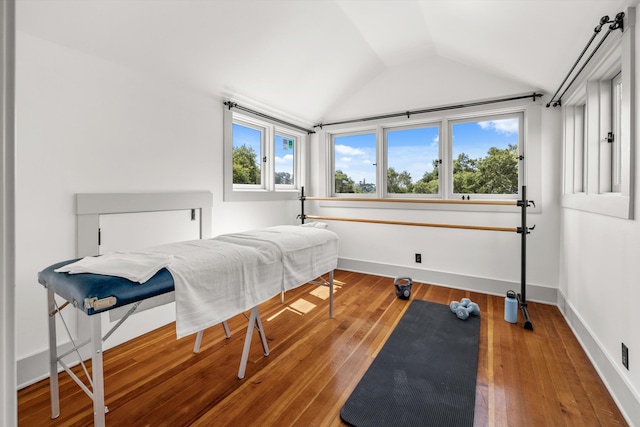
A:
418	258
625	356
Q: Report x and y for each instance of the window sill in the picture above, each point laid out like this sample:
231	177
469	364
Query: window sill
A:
610	204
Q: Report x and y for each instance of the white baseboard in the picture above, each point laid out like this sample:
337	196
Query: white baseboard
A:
535	293
623	393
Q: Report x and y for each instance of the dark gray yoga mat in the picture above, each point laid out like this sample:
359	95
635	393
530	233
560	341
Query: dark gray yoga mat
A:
424	375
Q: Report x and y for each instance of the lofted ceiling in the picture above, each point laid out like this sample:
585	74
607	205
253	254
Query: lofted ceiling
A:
305	57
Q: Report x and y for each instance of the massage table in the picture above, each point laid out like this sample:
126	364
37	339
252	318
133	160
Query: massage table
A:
260	263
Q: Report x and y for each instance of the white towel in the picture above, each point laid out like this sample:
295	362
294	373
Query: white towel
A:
135	266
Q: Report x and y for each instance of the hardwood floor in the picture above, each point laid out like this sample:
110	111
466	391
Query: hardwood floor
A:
525	378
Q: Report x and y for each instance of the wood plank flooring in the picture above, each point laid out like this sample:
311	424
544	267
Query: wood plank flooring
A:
525	378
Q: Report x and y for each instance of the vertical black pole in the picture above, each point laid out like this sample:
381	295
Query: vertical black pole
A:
523	248
522	296
302	205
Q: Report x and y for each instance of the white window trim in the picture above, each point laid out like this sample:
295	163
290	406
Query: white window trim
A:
616	54
521	148
383	155
268	190
331	148
297	164
530	173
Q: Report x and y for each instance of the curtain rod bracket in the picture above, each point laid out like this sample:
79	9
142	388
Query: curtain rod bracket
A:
617	23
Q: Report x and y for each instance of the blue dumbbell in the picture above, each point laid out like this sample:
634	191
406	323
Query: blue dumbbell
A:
455	304
463	313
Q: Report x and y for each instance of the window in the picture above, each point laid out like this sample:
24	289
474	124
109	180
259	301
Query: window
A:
580	152
478	157
354	163
285	175
262	159
413	160
616	127
485	156
597	119
248	149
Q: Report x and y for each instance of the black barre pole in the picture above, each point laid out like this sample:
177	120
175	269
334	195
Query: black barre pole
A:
302	215
522	296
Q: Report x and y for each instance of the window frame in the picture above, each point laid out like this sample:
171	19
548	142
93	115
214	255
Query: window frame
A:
332	154
529	170
268	190
385	159
286	133
264	131
616	128
521	148
594	89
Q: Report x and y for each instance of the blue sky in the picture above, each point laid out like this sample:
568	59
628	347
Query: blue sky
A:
414	150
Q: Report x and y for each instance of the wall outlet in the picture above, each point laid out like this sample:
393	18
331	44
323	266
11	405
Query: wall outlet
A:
625	356
418	258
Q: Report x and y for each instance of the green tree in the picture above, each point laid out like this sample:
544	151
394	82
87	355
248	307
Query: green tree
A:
399	182
284	178
344	184
498	172
428	184
246	169
365	187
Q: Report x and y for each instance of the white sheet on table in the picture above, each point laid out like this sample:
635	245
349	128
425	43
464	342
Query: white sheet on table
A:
138	266
217	280
307	252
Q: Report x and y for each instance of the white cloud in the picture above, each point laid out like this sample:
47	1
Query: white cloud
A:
506	126
287	158
345	149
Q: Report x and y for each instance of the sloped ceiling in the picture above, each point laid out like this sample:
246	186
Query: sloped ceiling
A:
305	57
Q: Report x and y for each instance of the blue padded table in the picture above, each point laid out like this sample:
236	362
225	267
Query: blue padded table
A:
291	255
95	293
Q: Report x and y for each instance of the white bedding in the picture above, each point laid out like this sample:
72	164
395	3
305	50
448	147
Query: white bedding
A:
216	279
306	252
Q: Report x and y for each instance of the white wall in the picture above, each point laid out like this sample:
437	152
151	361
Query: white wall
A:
85	125
598	285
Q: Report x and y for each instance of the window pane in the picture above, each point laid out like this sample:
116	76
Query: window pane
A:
485	156
285	153
580	142
247	153
616	124
355	163
412	160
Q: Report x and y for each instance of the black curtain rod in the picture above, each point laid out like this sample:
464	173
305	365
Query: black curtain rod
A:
616	24
429	110
257	113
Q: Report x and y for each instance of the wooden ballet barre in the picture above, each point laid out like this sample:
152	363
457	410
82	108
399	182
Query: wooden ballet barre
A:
438	201
420	224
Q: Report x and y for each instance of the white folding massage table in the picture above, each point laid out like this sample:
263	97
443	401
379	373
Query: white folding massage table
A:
268	262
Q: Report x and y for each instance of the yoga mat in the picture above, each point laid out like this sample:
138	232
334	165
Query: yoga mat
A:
424	375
